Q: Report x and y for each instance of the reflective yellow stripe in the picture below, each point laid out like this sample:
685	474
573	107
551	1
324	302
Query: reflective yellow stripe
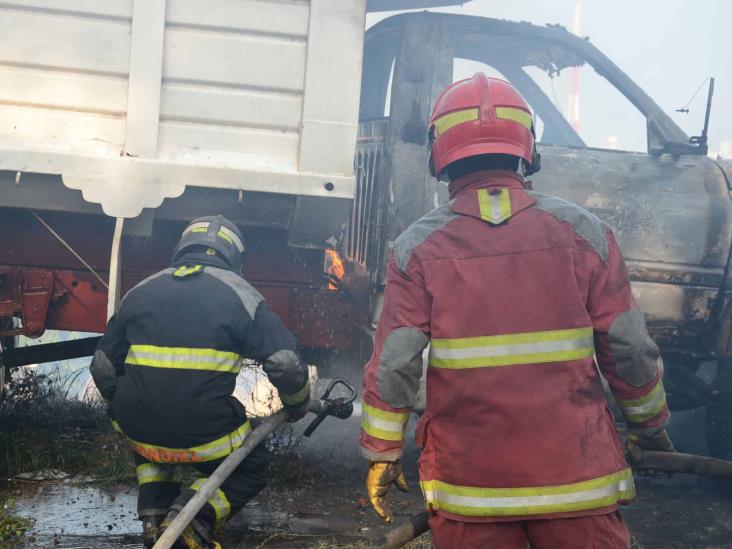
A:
451	120
231	237
182	271
218	501
514	114
216	449
495	206
152	472
512	349
580	496
224	233
296	398
383	424
644	408
185	358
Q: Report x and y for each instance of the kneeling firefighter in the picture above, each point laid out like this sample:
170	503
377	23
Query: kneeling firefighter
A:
168	364
515	292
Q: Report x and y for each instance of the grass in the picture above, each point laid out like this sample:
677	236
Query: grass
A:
12	527
42	430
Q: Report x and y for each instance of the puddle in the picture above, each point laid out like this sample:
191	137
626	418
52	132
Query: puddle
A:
75	517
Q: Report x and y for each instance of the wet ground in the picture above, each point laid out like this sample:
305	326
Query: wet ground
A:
331	513
327	509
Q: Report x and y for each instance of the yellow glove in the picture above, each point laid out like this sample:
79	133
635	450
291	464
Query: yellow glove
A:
659	441
381	475
636	444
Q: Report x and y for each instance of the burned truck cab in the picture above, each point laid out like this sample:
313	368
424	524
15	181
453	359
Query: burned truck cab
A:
667	202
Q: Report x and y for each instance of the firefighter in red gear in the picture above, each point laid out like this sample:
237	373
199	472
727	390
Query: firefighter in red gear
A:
515	292
168	364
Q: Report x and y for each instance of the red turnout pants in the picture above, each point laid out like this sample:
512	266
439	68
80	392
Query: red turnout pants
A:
593	532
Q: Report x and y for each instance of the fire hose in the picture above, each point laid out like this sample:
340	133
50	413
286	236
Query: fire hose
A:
641	460
341	408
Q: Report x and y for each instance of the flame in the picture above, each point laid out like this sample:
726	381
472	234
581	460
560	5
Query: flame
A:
334	266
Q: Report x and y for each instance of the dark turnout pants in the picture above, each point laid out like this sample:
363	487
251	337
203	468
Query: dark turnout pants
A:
158	491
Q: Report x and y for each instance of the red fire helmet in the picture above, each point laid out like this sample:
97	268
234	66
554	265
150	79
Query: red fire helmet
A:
481	115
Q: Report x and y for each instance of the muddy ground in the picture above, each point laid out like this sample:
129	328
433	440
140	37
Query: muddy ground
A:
315	500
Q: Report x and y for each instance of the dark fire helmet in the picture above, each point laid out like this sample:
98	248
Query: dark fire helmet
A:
217	233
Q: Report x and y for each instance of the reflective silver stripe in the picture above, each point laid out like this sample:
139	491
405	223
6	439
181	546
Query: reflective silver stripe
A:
383	424
234	238
199	225
526	501
184	358
218	501
512	349
473	501
153	472
225	447
516	349
646	407
393	426
228	232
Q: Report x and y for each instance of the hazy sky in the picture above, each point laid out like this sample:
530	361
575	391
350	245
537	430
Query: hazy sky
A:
667	46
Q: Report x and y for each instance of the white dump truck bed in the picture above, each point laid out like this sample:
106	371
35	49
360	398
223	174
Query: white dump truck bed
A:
133	100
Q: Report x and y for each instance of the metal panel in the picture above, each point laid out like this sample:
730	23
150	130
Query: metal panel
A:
221	106
255	95
335	42
211	57
92	93
365	239
259	147
57	40
91	8
143	98
288	18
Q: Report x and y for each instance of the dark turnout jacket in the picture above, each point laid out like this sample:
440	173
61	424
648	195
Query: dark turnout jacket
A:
170	357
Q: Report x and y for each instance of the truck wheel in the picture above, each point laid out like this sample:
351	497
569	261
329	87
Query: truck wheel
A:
719	413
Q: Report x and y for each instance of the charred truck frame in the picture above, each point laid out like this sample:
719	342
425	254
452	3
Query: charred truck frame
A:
670	209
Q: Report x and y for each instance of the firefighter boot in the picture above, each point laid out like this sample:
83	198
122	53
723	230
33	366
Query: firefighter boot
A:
151	529
195	536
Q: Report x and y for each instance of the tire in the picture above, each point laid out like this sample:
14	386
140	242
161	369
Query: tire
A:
719	413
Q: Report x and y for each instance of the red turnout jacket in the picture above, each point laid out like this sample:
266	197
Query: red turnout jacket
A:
517	294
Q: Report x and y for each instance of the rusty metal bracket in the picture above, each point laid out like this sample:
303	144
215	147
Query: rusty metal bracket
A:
35	297
27	293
